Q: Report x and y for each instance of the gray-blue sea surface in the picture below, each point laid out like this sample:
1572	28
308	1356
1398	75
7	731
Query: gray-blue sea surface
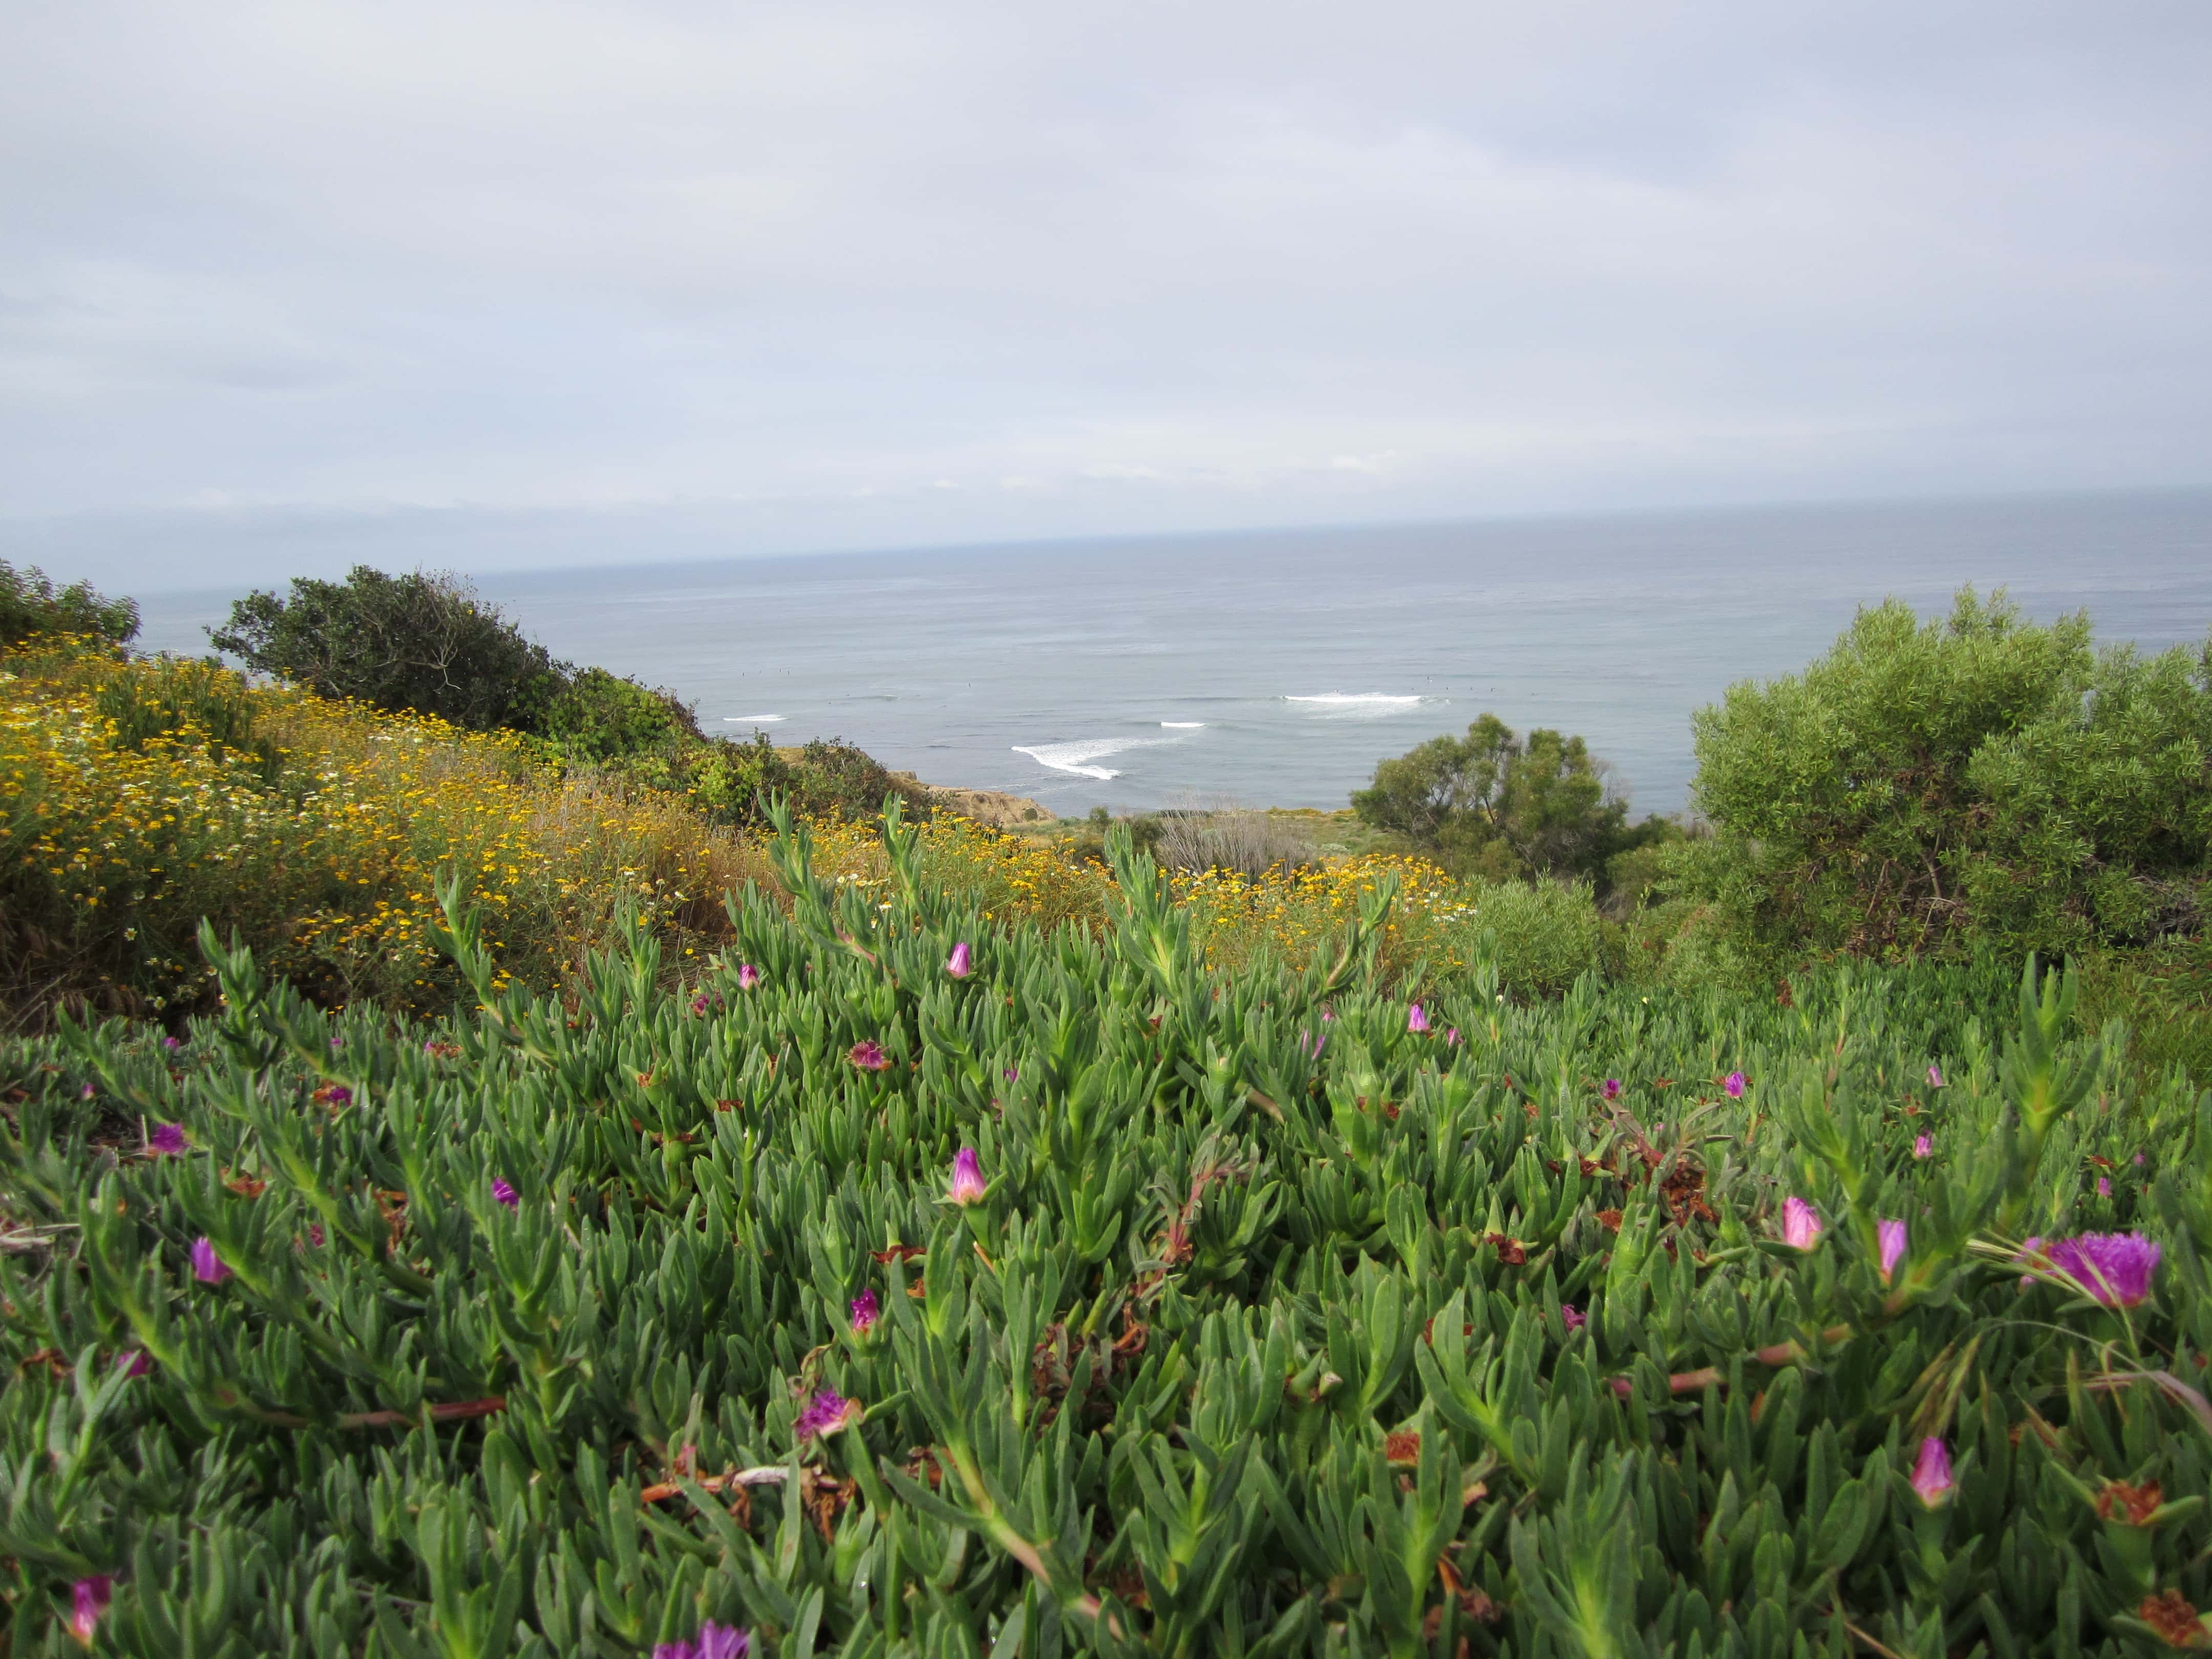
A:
1277	668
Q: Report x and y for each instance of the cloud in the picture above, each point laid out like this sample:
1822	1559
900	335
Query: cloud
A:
1147	266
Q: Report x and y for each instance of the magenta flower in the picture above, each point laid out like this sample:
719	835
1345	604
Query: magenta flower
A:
699	1004
171	1044
133	1362
1931	1475
85	1093
1935	1076
2103	1186
2140	1160
868	1055
167	1140
866	1310
1734	1083
2114	1268
1892	1235
713	1642
961	962
1610	1088
968	1182
92	1597
825	1414
1313	1044
1416	1021
749	977
336	1042
502	1192
1571	1317
207	1266
1801	1226
1922	1147
315	1234
1012	1074
338	1094
1327	1016
1451	1037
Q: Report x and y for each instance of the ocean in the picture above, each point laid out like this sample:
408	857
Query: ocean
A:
1276	668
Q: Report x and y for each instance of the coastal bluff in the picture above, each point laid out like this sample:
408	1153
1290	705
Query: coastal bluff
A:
992	808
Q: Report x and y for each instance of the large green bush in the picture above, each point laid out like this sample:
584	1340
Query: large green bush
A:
598	716
1930	785
1492	805
30	604
423	642
1259	1318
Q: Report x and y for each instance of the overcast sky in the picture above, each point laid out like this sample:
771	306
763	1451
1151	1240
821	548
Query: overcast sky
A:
759	276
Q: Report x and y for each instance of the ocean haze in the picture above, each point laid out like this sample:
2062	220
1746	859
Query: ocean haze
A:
1278	667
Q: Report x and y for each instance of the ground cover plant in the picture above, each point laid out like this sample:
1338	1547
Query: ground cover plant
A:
905	1282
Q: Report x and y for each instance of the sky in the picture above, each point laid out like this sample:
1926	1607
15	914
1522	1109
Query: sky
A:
510	284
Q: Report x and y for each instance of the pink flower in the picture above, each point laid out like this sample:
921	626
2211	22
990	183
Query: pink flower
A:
2114	1268
1733	1085
1012	1074
336	1042
337	1094
868	1055
1416	1021
2103	1186
1451	1037
1571	1317
825	1414
502	1192
1892	1235
968	1182
866	1310
749	977
1931	1475
85	1093
1801	1226
315	1234
171	1044
699	1004
1327	1016
1935	1076
133	1362
207	1266
1922	1147
167	1140
961	963
713	1642
92	1597
1311	1044
2140	1160
1610	1088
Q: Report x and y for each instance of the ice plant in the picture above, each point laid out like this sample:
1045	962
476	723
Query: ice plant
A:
1416	1021
338	1094
961	963
502	1191
866	1310
1892	1235
968	1182
171	1044
868	1055
207	1266
713	1642
1733	1085
2114	1268
1931	1474
133	1362
825	1414
1571	1317
699	1004
92	1597
1801	1226
749	977
167	1140
1935	1076
1922	1147
1610	1088
1451	1037
2103	1186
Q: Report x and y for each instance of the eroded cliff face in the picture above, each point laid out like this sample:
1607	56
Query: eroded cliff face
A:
994	808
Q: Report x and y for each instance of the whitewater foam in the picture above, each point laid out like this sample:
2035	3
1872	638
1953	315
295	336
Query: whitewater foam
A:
753	720
1075	757
1359	699
1183	726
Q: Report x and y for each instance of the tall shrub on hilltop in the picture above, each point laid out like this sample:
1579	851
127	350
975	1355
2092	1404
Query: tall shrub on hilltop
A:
1492	805
424	642
1979	779
31	604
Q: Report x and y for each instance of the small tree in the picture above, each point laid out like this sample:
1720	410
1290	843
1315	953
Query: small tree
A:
1491	804
423	641
30	604
1980	778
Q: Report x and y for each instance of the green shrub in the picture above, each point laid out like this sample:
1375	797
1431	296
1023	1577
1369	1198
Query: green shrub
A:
30	604
833	778
1924	787
422	643
1491	804
598	716
1545	934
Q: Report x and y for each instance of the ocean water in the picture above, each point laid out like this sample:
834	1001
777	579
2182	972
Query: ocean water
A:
1277	668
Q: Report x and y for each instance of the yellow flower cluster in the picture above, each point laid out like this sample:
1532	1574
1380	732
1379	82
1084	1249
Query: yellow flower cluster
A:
318	837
